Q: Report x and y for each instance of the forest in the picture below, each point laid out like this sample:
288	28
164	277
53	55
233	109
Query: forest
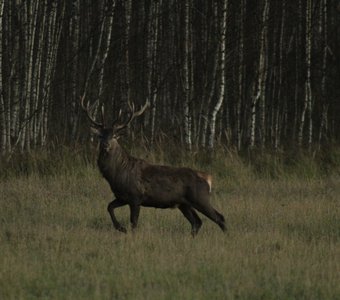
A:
243	74
243	94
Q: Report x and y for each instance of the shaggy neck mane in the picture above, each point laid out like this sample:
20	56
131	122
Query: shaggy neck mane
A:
117	166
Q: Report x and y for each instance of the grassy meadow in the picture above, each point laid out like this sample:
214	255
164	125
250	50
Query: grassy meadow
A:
57	240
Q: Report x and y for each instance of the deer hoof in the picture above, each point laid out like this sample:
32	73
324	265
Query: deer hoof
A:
121	229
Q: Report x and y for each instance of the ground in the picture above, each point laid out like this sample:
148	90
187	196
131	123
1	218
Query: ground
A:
57	242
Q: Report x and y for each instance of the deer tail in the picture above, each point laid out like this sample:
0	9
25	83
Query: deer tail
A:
207	178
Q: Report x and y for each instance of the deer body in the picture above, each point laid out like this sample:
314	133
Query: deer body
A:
137	183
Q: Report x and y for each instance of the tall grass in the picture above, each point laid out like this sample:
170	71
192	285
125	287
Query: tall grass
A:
60	159
283	214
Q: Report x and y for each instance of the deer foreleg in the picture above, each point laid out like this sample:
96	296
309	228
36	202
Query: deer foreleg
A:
111	207
134	214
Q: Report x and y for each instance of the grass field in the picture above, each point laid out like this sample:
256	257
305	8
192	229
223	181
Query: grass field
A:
57	241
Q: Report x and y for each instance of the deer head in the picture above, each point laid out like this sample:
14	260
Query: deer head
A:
108	136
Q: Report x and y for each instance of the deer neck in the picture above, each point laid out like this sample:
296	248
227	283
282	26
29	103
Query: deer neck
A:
116	165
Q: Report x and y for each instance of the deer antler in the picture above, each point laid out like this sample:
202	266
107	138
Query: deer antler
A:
133	114
88	109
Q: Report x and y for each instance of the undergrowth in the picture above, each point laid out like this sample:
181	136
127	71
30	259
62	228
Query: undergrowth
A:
221	162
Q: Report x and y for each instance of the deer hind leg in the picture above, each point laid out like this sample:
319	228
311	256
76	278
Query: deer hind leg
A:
212	214
190	214
111	207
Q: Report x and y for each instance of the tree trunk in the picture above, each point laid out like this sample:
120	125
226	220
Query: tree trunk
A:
128	5
218	105
3	123
323	123
74	35
152	44
259	87
281	63
240	76
210	85
307	106
187	90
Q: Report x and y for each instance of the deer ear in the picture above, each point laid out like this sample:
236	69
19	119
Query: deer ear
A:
96	132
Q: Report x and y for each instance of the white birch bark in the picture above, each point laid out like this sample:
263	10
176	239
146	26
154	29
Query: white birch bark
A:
106	48
324	29
216	108
53	29
240	76
307	104
209	92
152	45
10	61
281	62
31	25
37	78
54	32
15	87
297	74
259	86
75	30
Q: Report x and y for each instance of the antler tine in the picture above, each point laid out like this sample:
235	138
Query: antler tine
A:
133	114
87	110
117	119
141	111
103	116
132	107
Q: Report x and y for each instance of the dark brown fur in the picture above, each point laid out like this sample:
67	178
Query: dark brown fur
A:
137	183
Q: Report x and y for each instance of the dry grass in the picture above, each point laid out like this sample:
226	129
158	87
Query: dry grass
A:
57	242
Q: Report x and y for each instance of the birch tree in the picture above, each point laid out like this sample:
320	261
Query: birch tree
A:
3	123
152	45
276	126
323	29
108	27
259	85
240	75
210	79
277	65
307	104
186	79
74	26
127	6
219	102
298	59
30	18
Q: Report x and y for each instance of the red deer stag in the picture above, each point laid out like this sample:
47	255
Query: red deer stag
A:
136	183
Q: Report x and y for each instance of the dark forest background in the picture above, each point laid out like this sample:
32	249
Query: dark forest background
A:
244	74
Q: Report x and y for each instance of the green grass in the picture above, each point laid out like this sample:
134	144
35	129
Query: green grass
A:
57	241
